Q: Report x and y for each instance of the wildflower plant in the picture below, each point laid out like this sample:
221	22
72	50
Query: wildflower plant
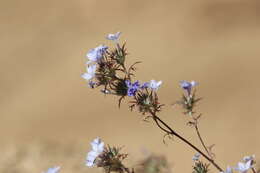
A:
107	70
106	157
116	78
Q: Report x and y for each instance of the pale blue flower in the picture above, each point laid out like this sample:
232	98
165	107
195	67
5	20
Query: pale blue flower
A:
248	158
53	170
114	37
243	167
91	70
97	145
154	85
196	157
187	86
94	55
91	157
97	148
228	170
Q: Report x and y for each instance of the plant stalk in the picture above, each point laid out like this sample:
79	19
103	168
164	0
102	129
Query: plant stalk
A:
202	142
169	130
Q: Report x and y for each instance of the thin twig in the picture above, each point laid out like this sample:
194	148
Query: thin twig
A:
201	140
195	124
171	131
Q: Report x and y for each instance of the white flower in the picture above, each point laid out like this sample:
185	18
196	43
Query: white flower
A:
92	155
97	148
154	85
94	55
228	170
53	170
114	37
248	158
243	167
193	83
196	157
97	145
90	72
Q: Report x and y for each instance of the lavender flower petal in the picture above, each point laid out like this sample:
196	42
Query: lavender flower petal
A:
97	148
114	37
94	55
90	72
154	85
53	170
132	88
187	86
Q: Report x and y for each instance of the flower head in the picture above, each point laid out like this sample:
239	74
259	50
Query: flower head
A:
97	145
91	157
53	170
248	158
145	85
114	37
243	167
94	55
90	72
187	86
132	88
196	157
97	148
155	85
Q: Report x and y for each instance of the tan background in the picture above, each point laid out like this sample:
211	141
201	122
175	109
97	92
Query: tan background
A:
48	116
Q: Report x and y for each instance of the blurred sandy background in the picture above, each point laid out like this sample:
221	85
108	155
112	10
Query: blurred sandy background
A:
48	115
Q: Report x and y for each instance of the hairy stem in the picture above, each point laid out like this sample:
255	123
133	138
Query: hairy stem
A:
201	140
169	130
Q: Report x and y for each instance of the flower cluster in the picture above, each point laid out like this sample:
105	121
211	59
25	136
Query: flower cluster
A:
103	67
106	68
146	102
108	158
111	160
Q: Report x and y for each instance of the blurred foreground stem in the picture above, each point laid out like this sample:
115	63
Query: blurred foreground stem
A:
201	140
